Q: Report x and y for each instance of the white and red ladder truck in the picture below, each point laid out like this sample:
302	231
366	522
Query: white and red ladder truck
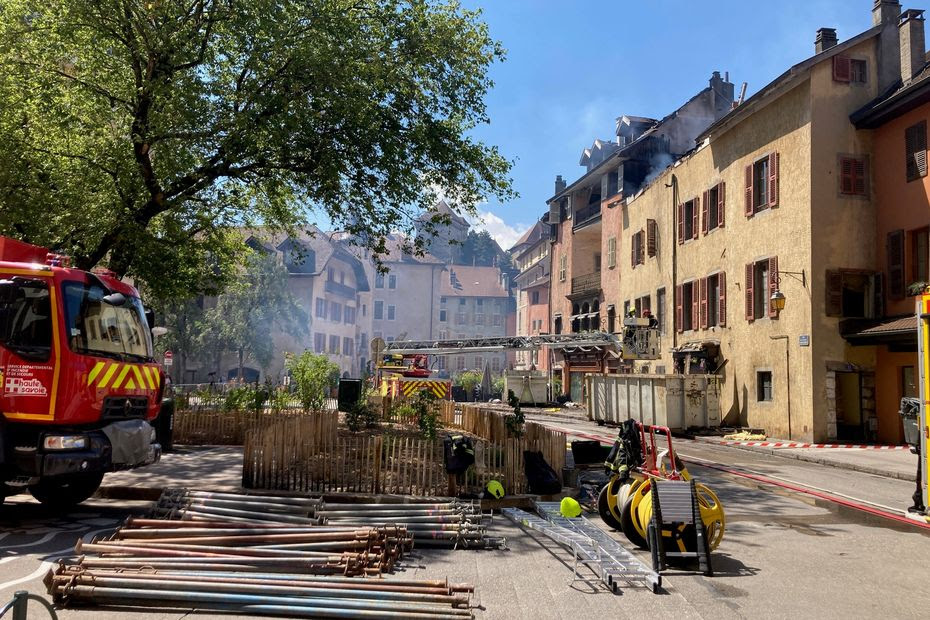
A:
79	384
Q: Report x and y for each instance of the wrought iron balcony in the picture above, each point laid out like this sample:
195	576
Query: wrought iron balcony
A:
589	283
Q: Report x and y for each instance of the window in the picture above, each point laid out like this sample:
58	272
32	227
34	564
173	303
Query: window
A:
850	70
762	184
460	318
319	343
660	309
479	303
392	281
853	176
461	303
331	274
764	386
379	309
637	251
335	312
496	364
642	304
688	220
460	362
915	146
920	253
712	214
611	319
613	182
26	322
342	277
563	267
442	300
853	293
686	308
611	252
479	319
91	324
442	316
349	315
321	308
713	301
557	324
364	309
652	237
334	344
497	320
908	381
894	249
535	297
626	308
379	280
858	73
761	283
348	346
390	313
597	262
479	362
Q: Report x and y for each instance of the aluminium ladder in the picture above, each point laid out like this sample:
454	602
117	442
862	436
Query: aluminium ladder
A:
609	560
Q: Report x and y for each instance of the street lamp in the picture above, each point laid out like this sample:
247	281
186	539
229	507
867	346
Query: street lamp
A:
778	298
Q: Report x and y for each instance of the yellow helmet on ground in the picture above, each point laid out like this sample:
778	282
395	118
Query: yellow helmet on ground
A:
495	489
569	507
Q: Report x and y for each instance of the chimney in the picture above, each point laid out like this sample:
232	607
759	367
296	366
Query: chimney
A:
885	12
559	185
826	38
911	33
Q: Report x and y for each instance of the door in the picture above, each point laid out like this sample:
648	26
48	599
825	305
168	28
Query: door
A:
849	422
577	387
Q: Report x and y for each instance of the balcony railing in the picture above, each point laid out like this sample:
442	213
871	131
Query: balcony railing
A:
340	289
590	283
587	214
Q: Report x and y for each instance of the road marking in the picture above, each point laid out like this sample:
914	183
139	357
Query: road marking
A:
44	539
50	560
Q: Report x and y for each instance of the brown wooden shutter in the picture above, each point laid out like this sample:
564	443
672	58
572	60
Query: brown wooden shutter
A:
915	144
642	247
834	293
750	314
748	209
695	304
722	307
681	223
773	285
842	68
846	175
633	250
679	316
895	250
704	213
773	180
652	230
859	186
721	203
696	218
703	303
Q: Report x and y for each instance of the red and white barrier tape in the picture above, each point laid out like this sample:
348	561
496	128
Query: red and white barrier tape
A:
795	444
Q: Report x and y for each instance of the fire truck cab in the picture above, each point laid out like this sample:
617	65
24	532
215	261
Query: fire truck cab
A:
79	384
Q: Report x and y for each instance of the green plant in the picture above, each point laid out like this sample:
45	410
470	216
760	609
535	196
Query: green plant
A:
361	415
515	420
313	378
280	399
497	385
426	413
468	380
403	412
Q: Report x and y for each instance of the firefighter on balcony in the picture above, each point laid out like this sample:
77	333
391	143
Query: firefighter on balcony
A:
629	328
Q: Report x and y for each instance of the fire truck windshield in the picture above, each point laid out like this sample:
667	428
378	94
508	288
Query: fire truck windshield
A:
95	327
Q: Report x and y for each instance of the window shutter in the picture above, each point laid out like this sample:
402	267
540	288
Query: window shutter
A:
842	68
859	177
773	180
721	203
834	293
681	223
895	250
695	304
846	175
633	250
651	234
696	218
750	315
722	307
703	303
704	222
748	209
641	247
915	144
679	316
773	285
878	296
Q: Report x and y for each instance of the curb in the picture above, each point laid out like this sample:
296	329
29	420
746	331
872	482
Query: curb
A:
781	453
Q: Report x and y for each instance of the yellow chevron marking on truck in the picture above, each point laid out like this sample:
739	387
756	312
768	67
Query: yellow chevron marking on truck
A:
120	377
95	371
107	375
130	376
138	376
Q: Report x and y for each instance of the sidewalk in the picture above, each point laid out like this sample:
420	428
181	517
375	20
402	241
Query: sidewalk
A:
208	468
894	463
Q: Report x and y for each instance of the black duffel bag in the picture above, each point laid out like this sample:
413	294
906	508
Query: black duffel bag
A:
542	478
458	452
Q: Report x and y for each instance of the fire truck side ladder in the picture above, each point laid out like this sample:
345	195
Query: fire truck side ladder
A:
590	546
507	343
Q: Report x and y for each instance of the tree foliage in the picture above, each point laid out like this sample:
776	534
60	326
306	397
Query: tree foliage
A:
313	377
480	249
143	131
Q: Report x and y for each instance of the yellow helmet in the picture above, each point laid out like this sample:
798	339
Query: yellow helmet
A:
569	507
495	489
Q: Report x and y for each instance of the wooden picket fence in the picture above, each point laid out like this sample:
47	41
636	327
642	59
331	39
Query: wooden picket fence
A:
198	427
307	454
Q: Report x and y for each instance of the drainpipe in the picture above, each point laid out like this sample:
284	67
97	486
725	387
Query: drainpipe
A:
787	376
674	238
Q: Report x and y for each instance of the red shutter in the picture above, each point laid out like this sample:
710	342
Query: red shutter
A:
750	314
895	250
748	209
859	177
722	308
695	304
679	316
704	222
681	223
703	303
696	218
834	293
842	68
773	180
721	203
773	285
651	233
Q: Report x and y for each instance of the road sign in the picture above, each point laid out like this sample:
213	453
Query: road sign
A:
169	358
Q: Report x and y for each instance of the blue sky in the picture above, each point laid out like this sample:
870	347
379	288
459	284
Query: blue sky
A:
573	67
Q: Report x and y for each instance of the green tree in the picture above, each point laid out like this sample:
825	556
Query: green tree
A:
248	314
479	249
313	377
155	126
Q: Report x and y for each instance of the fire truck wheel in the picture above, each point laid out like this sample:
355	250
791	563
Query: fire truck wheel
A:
66	491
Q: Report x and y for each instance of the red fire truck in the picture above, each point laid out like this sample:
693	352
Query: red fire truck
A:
79	384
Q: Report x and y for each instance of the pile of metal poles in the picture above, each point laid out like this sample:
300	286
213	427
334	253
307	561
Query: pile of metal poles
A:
277	594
